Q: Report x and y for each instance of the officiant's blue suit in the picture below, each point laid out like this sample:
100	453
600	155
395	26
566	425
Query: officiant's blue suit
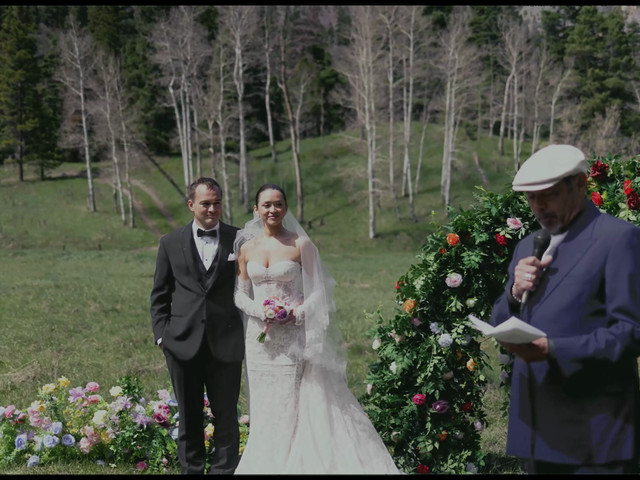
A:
584	401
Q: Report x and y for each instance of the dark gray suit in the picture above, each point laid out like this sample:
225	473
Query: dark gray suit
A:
193	312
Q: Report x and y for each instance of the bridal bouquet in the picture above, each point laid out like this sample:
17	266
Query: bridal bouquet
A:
275	311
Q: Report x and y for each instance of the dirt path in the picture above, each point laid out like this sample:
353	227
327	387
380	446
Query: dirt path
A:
158	202
141	211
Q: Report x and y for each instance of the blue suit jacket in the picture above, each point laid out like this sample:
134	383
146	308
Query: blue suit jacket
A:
584	400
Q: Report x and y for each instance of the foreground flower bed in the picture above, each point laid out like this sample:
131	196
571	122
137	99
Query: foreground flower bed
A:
425	390
120	428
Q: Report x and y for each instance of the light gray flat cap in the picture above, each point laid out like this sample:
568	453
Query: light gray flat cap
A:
548	166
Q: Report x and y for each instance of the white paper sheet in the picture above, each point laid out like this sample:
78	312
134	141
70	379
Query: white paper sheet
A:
512	330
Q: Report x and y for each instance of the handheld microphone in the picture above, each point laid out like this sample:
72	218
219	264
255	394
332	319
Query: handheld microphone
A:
541	241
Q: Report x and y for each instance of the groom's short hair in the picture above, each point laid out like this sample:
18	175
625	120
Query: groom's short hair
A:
208	181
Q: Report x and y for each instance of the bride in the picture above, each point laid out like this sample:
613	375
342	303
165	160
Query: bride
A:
303	417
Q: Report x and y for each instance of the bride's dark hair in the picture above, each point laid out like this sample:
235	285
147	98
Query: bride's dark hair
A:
271	186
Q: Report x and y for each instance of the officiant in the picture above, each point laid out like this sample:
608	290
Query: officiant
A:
575	398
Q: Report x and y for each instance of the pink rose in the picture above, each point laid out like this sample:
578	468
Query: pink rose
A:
514	223
9	411
92	387
453	280
84	445
419	399
160	418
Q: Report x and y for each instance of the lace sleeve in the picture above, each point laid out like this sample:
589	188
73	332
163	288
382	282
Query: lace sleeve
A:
243	298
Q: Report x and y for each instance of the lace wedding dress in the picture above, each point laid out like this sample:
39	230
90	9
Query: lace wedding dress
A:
303	419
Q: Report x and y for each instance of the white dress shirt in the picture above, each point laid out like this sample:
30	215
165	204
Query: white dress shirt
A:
207	246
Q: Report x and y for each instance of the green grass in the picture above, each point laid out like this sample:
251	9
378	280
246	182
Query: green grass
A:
74	285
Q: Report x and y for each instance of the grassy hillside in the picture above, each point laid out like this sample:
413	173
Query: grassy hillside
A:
74	285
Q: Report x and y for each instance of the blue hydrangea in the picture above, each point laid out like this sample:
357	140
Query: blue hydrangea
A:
50	441
21	441
56	428
445	340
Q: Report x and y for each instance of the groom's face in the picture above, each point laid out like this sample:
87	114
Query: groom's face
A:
206	206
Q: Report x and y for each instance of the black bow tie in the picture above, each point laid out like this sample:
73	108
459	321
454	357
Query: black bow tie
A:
207	233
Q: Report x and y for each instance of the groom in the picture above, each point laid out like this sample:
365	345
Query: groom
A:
200	331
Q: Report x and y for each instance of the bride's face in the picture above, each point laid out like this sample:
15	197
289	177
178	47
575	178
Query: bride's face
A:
271	207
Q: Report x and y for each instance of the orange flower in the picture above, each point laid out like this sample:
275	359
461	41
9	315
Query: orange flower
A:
471	365
453	239
443	436
409	305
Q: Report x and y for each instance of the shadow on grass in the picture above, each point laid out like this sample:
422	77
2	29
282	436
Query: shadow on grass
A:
502	464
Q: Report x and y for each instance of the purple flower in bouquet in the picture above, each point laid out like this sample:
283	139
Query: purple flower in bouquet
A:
440	406
68	440
33	461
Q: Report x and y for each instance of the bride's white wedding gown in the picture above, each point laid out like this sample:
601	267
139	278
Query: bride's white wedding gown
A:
302	420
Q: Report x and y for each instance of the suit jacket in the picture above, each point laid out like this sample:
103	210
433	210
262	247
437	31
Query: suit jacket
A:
187	305
584	400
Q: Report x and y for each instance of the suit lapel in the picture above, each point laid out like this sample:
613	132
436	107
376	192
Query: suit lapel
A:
574	248
189	252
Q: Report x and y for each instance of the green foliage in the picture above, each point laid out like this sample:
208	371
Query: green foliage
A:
428	349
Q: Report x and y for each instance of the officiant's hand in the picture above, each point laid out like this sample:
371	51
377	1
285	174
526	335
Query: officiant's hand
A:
527	274
535	351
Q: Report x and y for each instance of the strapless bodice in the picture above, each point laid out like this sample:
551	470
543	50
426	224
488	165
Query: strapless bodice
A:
281	279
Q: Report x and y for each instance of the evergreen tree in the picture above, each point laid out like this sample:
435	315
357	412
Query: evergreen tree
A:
602	56
28	101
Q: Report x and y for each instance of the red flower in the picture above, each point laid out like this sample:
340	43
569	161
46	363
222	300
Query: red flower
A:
598	170
453	239
501	239
466	407
443	251
422	469
596	198
626	187
419	399
398	285
633	201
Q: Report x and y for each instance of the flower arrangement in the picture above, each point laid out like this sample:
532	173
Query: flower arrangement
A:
68	424
424	394
275	311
